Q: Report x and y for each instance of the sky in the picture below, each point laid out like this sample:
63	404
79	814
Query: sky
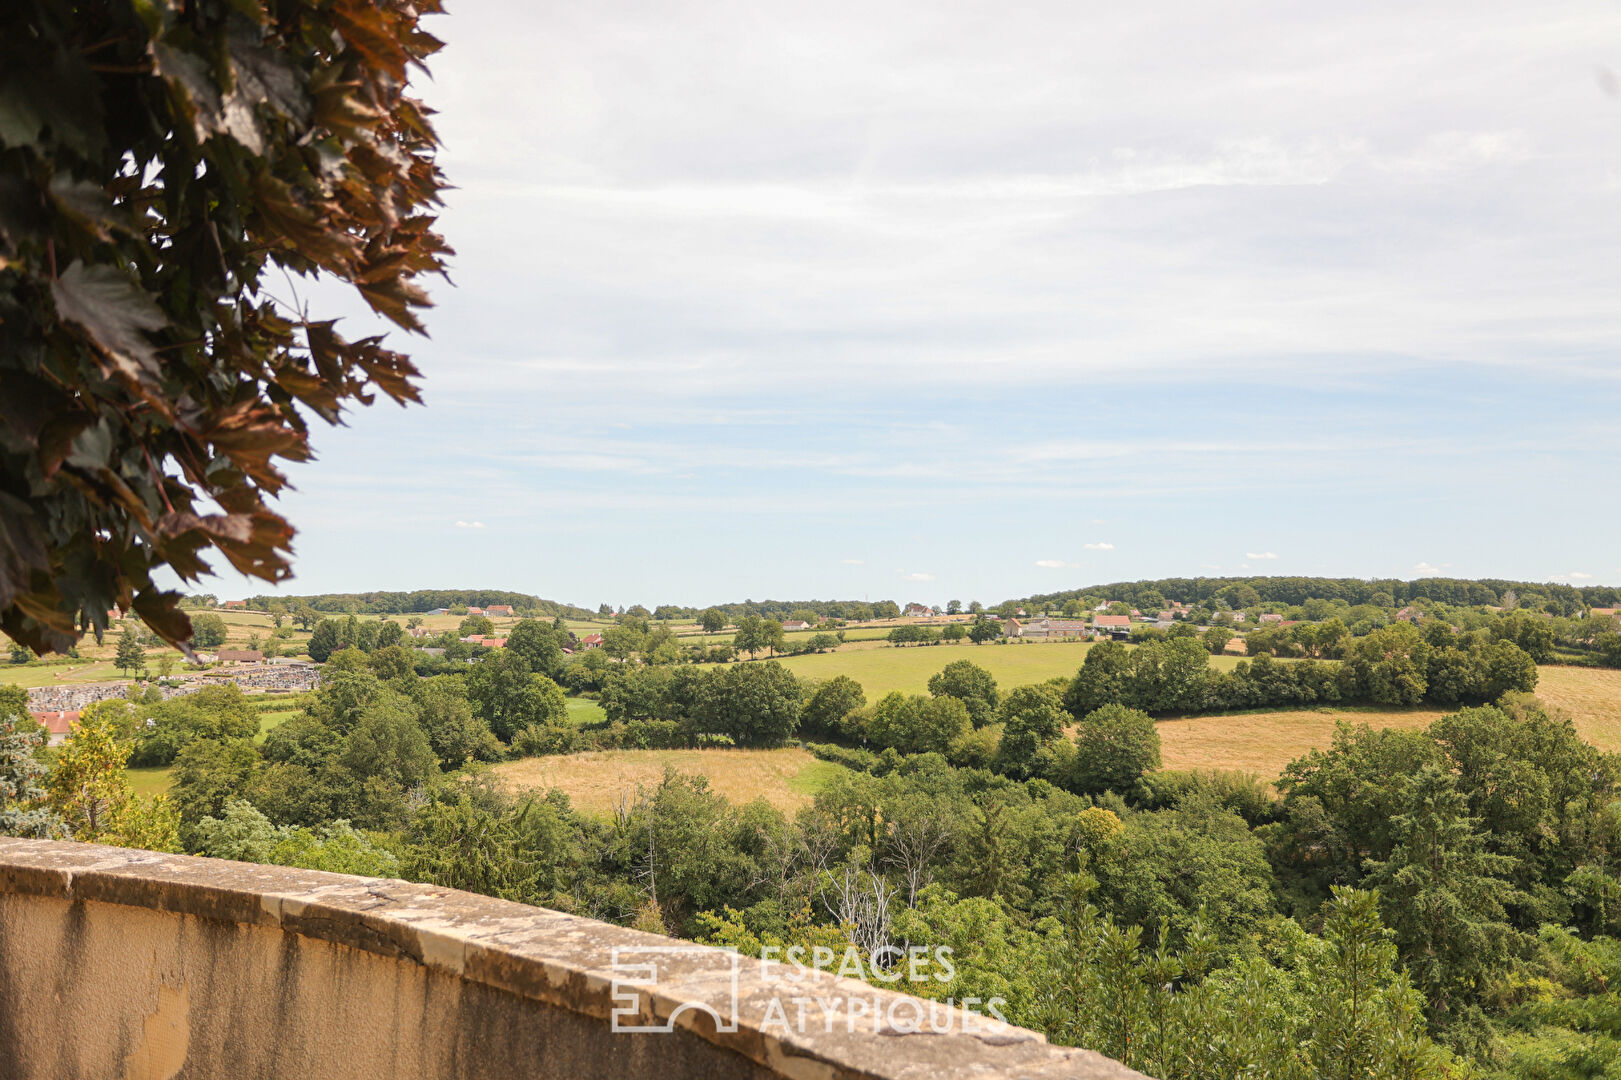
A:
932	301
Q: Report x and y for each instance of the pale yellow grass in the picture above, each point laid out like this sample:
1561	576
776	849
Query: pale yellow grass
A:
599	780
1591	697
1264	742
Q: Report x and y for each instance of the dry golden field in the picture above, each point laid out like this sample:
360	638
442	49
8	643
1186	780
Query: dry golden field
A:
597	780
1264	742
1591	697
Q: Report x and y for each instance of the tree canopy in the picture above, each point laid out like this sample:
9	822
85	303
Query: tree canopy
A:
165	170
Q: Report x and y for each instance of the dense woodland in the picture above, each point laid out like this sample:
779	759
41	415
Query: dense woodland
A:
1399	904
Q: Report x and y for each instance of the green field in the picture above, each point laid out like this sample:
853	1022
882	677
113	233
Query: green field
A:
152	781
31	675
908	669
583	711
269	720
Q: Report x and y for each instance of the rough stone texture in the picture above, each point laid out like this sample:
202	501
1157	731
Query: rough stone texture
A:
123	963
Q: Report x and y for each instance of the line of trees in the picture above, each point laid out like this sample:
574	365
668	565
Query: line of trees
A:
1247	592
421	600
1397	665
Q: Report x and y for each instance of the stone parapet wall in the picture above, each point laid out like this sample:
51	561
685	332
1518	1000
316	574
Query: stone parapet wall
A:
123	963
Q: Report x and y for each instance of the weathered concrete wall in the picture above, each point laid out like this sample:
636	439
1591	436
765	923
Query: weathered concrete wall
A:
131	964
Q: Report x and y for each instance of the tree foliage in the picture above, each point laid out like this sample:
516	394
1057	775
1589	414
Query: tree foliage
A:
164	169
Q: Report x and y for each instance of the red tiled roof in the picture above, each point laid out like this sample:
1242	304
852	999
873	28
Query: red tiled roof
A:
1111	620
57	723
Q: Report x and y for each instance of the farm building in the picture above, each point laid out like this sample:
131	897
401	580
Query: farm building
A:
240	656
1043	629
795	624
503	610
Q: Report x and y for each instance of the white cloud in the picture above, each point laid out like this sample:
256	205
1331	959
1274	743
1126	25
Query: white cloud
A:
1100	546
1574	575
1260	555
469	524
1426	568
1056	564
916	575
855	562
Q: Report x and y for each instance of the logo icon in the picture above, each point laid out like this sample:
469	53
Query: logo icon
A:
638	967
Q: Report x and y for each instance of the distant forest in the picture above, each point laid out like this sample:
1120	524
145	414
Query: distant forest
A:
1235	592
1380	592
420	600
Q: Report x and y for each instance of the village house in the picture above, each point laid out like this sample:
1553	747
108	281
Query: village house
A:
918	611
1270	617
1046	629
58	724
1604	612
591	641
503	610
1409	614
494	643
232	605
420	632
1114	626
795	624
475	611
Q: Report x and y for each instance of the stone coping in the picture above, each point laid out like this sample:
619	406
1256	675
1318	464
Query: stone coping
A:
567	962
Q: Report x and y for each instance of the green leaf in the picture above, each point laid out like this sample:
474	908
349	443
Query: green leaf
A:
108	307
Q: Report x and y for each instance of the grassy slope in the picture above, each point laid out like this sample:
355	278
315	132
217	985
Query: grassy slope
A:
582	711
1591	697
787	779
1264	742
